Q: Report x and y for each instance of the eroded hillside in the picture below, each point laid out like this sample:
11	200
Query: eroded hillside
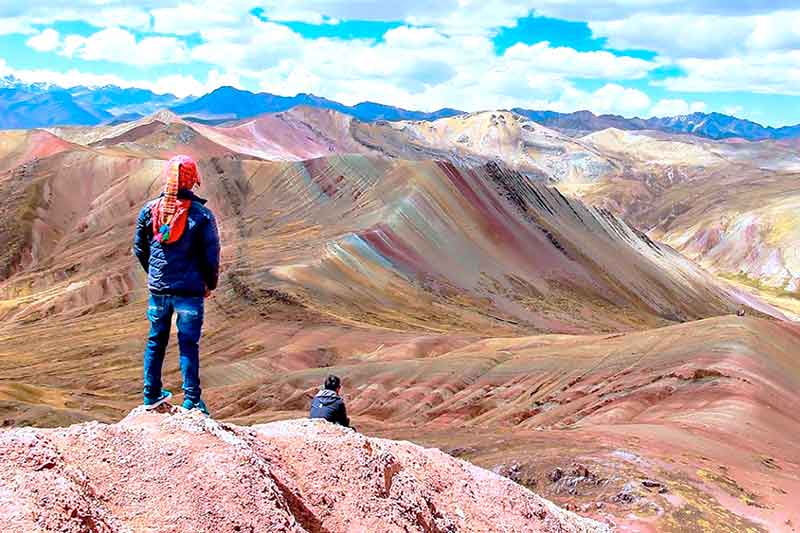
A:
467	303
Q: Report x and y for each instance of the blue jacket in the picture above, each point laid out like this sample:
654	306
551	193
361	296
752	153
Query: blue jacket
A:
328	405
188	266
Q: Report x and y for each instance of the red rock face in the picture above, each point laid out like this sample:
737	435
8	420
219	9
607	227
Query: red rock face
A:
18	147
466	306
182	471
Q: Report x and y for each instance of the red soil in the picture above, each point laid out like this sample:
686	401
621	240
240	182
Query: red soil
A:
182	471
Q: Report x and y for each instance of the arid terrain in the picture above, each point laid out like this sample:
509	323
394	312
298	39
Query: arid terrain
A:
560	310
181	471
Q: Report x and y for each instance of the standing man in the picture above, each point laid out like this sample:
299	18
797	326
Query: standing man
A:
177	244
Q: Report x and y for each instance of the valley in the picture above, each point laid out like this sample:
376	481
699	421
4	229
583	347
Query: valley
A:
559	309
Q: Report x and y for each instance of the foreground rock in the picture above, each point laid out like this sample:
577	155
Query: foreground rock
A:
179	471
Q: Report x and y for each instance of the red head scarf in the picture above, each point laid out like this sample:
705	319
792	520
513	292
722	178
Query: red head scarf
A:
168	212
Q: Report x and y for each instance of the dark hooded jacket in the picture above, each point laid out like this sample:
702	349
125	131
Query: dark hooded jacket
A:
188	266
328	405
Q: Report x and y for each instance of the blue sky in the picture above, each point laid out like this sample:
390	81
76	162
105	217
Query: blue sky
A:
632	57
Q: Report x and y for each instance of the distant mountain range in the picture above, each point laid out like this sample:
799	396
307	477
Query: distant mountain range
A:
36	105
228	103
711	125
42	105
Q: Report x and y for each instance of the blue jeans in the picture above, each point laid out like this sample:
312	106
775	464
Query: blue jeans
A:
190	321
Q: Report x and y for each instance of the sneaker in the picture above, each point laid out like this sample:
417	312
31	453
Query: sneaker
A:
199	404
152	403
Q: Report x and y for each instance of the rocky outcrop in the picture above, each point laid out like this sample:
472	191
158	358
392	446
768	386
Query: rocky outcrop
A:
179	471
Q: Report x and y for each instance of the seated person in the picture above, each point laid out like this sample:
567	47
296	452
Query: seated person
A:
328	404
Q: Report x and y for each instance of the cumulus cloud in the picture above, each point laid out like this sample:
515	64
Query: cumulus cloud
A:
676	35
702	36
413	38
70	78
618	9
45	41
570	62
461	71
15	25
454	17
201	16
24	15
470	16
121	46
443	55
423	68
111	15
485	16
777	31
614	98
178	85
719	50
254	45
767	73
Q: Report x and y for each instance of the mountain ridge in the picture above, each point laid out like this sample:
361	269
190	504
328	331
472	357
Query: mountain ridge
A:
231	103
117	478
36	105
710	125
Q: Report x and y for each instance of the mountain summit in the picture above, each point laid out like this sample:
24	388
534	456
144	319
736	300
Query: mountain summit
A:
180	471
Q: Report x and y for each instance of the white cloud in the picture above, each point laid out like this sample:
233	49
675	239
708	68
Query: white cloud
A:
254	45
493	90
668	107
45	41
294	12
182	85
455	16
121	46
485	16
676	35
355	71
464	17
444	54
15	25
614	98
619	9
71	44
702	36
570	62
122	15
290	78
765	73
71	78
22	15
410	37
178	85
201	16
423	68
718	50
777	31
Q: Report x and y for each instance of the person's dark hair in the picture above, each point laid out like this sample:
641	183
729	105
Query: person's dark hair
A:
333	382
